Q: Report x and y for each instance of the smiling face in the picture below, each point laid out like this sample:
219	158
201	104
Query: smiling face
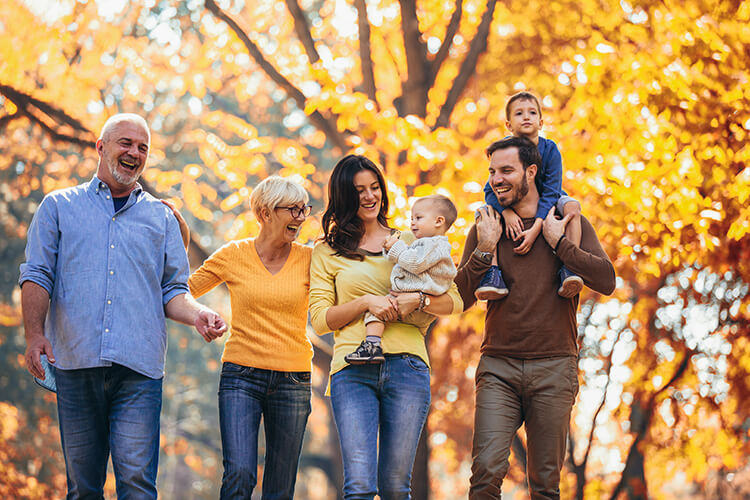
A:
283	225
524	118
370	195
508	179
123	151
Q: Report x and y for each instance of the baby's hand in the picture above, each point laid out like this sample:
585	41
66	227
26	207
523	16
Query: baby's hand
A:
391	240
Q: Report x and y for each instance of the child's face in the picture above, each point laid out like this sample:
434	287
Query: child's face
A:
525	118
425	221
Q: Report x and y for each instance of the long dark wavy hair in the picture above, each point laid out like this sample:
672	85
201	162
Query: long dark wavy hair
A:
342	228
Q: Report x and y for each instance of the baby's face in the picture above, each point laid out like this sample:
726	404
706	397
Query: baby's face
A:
424	221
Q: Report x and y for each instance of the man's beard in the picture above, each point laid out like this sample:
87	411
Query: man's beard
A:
518	196
123	178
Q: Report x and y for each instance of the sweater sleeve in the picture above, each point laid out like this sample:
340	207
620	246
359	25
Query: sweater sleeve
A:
419	256
211	273
550	180
590	261
322	289
470	270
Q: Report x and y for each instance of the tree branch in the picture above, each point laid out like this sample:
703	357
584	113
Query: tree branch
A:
442	53
414	90
326	125
22	100
476	48
365	52
303	30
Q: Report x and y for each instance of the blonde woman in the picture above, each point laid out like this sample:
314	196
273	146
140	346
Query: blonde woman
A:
267	357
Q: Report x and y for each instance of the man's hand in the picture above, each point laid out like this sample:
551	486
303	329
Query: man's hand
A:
513	224
35	347
488	229
553	228
391	240
184	229
210	325
528	238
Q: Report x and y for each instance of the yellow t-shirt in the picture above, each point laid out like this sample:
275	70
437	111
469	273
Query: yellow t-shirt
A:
337	280
269	311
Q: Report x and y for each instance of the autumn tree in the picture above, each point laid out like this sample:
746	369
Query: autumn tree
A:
648	103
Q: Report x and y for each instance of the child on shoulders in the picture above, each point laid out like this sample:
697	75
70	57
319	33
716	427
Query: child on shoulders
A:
524	118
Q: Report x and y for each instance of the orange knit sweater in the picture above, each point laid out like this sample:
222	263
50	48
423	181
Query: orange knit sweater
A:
269	311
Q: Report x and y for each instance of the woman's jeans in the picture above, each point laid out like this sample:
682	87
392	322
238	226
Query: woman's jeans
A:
109	409
283	399
392	397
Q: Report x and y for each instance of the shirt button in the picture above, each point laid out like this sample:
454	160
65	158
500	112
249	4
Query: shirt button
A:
111	246
109	302
113	218
111	272
107	196
106	330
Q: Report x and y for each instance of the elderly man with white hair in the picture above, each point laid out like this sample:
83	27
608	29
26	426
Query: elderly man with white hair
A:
105	264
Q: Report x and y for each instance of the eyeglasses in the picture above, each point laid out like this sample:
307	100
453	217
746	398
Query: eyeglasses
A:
297	211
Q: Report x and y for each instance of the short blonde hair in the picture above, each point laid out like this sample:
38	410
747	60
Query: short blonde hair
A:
276	191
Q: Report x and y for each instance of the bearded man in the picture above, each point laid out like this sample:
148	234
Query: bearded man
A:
528	369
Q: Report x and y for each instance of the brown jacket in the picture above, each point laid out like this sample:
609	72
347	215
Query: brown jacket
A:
533	321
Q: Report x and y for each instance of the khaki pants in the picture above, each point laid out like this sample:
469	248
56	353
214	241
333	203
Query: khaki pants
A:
538	393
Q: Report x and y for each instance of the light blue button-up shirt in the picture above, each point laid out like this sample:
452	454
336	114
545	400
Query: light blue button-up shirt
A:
108	274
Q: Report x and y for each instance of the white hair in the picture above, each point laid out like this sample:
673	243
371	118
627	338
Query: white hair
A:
123	117
275	191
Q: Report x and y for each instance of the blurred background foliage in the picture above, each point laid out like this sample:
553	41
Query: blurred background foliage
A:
649	103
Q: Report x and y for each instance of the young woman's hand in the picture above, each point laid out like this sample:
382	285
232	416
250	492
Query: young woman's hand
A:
383	308
407	302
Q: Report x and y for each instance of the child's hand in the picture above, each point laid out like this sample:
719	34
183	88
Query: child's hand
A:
513	224
528	237
391	240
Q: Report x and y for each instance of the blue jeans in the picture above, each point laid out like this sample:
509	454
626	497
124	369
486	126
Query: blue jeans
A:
392	397
110	409
283	399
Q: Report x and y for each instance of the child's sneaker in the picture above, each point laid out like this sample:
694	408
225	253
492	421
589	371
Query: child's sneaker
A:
570	283
492	286
366	354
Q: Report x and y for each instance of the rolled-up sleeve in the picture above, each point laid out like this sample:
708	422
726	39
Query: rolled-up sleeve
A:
41	247
322	289
176	267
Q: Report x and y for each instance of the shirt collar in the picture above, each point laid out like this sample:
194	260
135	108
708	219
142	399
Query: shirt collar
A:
97	185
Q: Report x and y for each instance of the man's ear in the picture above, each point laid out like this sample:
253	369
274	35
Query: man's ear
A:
99	146
531	172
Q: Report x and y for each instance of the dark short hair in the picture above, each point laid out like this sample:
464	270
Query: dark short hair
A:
528	153
522	96
445	207
342	228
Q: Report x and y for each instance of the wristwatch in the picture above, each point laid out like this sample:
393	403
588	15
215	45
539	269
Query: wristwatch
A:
424	301
485	257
